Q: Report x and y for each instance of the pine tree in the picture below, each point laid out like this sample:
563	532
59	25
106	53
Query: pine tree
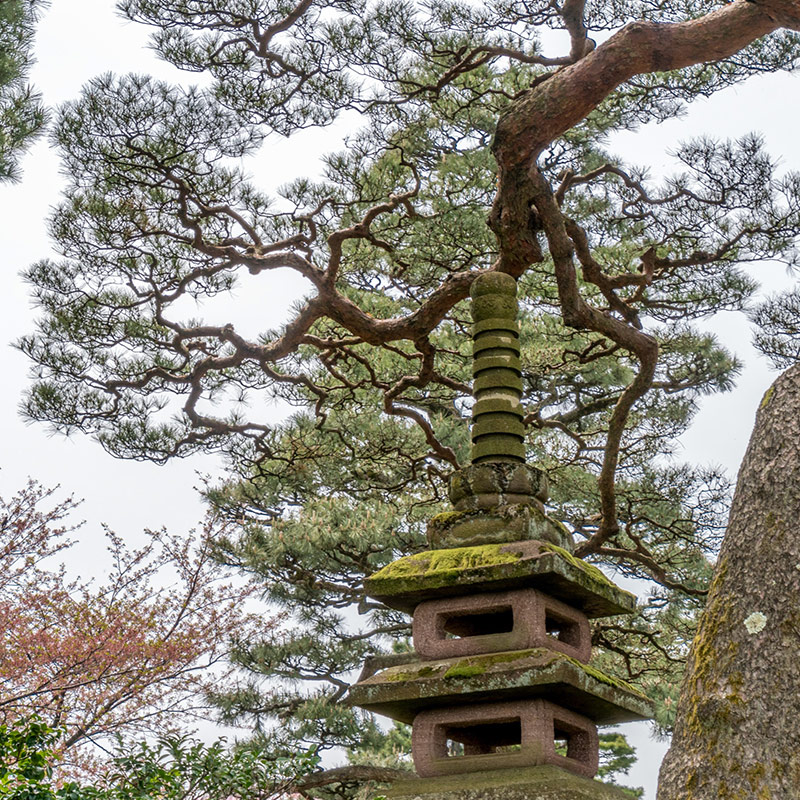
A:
464	112
21	112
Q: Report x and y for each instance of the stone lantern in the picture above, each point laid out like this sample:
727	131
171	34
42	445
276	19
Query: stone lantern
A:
500	693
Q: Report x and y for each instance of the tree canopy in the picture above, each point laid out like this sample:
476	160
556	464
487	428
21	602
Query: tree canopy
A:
461	114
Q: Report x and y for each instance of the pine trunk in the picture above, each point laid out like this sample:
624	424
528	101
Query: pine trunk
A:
737	735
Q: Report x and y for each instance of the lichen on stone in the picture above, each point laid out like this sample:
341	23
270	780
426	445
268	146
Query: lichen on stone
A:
477	665
755	623
425	671
598	675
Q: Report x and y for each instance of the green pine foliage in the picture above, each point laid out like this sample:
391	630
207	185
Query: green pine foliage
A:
616	758
22	115
171	768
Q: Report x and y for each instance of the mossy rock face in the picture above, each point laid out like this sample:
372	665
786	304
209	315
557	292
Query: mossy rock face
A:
497	567
503	523
528	783
493	283
491	306
403	691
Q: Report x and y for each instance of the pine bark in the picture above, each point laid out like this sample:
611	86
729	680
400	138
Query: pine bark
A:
737	735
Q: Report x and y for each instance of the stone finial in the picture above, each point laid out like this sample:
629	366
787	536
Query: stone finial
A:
497	430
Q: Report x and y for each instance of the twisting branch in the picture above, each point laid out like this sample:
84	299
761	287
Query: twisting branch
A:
577	313
353	774
572	14
557	104
525	203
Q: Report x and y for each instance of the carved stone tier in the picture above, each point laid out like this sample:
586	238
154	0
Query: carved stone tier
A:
519	783
497	622
522	733
497	483
510	523
503	701
403	691
455	572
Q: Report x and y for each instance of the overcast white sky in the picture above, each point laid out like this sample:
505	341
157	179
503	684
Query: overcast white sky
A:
79	39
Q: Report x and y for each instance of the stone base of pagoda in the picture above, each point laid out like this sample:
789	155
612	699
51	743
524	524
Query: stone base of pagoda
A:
526	783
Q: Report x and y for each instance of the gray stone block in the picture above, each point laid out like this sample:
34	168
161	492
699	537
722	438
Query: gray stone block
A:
402	692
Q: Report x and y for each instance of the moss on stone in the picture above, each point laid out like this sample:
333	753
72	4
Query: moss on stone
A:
446	563
461	670
582	565
598	675
477	665
498	566
448	517
401	692
544	782
410	675
493	283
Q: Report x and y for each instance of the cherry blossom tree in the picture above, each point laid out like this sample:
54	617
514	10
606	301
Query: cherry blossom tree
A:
132	653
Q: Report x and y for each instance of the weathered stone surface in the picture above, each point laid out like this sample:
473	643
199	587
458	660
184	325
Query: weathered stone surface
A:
496	325
497	402
498	433
470	484
490	306
520	783
488	448
505	360
499	621
520	733
491	494
505	523
477	623
458	571
492	283
495	341
402	692
509	424
489	378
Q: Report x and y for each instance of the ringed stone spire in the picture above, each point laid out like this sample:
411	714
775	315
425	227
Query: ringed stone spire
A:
498	433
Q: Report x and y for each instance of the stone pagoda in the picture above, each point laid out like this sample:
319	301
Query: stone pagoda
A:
500	692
